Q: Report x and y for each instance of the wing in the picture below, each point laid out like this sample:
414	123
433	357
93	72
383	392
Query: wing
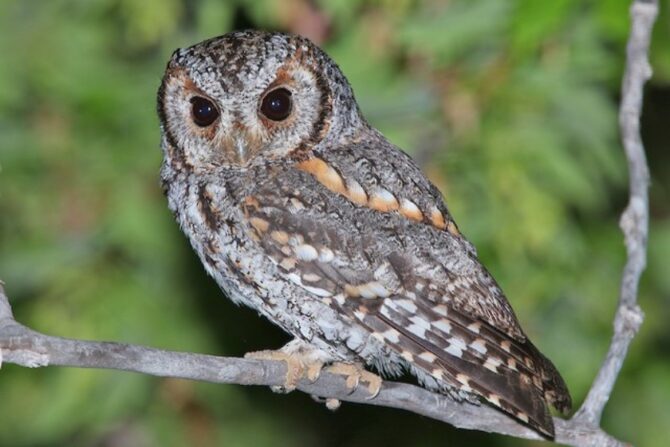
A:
397	265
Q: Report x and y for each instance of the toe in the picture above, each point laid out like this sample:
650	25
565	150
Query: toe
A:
354	374
294	367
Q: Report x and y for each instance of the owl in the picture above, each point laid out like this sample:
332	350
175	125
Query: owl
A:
301	210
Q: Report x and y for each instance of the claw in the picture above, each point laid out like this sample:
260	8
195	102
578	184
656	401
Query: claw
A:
302	361
354	374
314	371
295	368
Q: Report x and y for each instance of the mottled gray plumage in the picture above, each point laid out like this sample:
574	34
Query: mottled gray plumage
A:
331	232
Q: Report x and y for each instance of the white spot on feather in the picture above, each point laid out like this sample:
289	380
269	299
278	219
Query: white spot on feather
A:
440	309
317	291
311	277
443	325
420	321
306	252
464	381
428	356
418	330
295	239
407	356
326	255
376	290
456	346
494	399
295	278
479	345
384	310
369	290
492	363
475	327
392	335
408	305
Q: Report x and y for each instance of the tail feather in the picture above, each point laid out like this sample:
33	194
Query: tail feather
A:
455	356
495	351
505	390
555	390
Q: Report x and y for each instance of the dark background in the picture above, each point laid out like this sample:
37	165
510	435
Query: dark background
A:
511	108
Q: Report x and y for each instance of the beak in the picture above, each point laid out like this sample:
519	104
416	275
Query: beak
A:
241	144
240	148
235	148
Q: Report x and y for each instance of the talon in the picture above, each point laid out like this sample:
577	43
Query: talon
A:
302	361
295	368
354	374
353	381
374	384
314	371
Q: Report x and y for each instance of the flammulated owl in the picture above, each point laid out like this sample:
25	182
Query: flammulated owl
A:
301	210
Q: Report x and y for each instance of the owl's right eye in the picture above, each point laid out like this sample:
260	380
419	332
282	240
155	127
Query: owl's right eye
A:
203	111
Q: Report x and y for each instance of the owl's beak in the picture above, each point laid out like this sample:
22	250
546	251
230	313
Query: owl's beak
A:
237	147
240	149
241	143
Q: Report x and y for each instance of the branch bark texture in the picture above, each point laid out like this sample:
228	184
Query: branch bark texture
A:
23	346
635	219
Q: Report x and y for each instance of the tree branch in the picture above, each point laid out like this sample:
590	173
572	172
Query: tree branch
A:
25	347
635	219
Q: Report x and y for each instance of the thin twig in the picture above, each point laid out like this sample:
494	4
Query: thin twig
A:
635	219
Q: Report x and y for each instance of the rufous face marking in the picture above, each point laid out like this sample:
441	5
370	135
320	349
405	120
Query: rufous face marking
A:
270	108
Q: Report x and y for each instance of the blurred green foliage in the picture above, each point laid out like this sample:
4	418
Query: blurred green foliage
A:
509	105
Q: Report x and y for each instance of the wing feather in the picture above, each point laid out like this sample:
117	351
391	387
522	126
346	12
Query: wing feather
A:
419	290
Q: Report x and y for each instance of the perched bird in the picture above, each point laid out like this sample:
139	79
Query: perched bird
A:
301	210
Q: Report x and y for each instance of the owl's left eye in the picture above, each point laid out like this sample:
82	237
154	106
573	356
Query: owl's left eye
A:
204	112
277	104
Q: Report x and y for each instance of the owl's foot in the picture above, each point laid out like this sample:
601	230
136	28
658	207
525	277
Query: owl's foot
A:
302	361
355	374
295	368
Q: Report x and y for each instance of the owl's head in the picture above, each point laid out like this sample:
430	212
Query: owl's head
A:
229	99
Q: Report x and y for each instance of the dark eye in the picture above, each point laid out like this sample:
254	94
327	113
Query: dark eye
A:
203	110
277	104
